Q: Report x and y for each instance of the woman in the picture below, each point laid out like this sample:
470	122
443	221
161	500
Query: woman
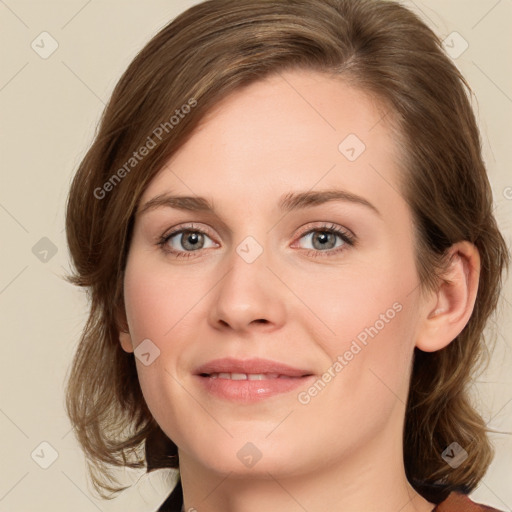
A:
286	228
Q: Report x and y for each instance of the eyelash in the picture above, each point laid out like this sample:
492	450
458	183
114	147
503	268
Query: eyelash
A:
347	238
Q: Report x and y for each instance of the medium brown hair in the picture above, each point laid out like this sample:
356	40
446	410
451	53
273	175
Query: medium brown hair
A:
209	51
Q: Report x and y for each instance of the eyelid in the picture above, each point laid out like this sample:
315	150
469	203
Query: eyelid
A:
186	227
328	226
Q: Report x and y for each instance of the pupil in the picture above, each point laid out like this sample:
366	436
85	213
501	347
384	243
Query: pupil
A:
321	240
191	239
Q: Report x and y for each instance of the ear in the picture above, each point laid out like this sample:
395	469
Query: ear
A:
447	310
124	331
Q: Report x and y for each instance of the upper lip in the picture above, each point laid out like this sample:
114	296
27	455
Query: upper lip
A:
250	366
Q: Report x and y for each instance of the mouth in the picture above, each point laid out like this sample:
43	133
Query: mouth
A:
250	380
247	376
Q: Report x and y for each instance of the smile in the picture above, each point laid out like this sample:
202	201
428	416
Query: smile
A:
249	380
249	376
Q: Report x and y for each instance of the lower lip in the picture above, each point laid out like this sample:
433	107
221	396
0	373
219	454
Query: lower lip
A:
247	391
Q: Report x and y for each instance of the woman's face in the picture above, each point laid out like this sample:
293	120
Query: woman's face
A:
277	334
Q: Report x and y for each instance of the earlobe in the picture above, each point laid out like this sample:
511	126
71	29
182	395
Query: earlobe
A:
126	341
449	308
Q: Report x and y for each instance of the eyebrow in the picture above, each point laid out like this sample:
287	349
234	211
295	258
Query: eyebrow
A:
288	202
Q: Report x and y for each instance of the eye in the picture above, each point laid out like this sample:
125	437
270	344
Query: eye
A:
184	241
189	238
324	239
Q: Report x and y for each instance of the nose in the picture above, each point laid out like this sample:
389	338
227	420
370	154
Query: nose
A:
249	296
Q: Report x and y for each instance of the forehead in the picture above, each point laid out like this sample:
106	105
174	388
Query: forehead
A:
298	130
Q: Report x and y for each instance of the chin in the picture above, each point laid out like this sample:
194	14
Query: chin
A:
240	456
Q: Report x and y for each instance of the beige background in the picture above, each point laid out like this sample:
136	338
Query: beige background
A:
49	110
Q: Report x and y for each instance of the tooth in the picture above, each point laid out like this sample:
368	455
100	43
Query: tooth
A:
248	376
256	376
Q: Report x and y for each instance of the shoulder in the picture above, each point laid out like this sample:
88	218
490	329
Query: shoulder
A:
458	502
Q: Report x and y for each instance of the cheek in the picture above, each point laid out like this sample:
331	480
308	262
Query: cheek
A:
366	374
158	298
165	304
370	321
372	304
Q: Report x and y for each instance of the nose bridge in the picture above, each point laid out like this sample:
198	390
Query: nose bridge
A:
250	249
248	291
248	267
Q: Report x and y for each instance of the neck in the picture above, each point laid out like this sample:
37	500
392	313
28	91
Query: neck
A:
372	478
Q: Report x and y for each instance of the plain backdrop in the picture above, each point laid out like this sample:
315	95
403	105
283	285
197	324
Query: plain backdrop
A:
49	108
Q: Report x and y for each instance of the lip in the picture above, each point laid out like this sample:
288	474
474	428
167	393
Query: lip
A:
274	379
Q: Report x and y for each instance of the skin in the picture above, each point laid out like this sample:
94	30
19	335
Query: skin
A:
342	450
